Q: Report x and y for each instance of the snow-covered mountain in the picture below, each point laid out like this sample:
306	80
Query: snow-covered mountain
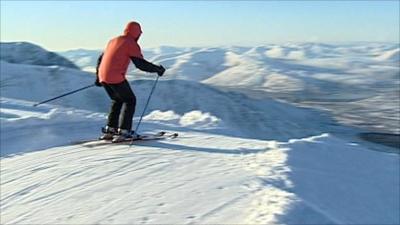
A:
358	82
243	156
87	59
252	66
84	59
28	53
180	96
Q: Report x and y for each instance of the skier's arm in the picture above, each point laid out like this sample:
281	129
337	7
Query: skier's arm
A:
144	65
98	63
97	82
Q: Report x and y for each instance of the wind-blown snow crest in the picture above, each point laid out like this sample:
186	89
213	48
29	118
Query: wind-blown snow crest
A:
194	119
390	55
198	119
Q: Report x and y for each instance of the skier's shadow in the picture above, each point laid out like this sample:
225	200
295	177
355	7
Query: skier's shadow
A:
171	146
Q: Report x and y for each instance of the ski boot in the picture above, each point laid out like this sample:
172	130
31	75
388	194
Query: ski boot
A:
124	135
108	133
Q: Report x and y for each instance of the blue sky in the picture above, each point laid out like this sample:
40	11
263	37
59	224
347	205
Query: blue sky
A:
63	25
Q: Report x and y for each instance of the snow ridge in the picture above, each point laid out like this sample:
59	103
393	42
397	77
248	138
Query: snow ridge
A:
28	53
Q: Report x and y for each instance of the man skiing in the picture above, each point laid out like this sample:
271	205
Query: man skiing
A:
111	71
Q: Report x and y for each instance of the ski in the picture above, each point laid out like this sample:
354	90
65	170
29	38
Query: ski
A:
146	137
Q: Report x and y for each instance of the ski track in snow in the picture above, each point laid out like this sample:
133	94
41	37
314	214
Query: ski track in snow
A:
143	176
153	183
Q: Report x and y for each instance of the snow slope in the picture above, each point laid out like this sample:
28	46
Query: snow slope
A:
199	177
25	128
238	159
43	83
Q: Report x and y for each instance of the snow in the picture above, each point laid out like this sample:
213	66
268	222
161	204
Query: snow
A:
195	119
240	158
24	126
390	55
199	177
199	119
85	59
28	53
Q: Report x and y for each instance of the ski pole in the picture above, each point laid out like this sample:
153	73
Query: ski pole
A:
80	89
145	107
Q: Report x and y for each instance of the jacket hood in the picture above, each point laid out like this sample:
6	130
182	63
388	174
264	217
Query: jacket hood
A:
133	29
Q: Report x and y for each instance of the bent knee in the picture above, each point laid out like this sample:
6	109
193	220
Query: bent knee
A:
130	101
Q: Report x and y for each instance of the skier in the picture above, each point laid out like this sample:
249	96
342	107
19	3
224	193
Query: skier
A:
111	71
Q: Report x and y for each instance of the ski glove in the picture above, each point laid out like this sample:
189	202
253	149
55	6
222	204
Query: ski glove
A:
161	70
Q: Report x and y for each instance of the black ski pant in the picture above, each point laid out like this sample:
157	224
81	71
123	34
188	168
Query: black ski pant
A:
123	99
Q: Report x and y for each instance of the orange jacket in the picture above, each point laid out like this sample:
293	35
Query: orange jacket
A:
116	56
